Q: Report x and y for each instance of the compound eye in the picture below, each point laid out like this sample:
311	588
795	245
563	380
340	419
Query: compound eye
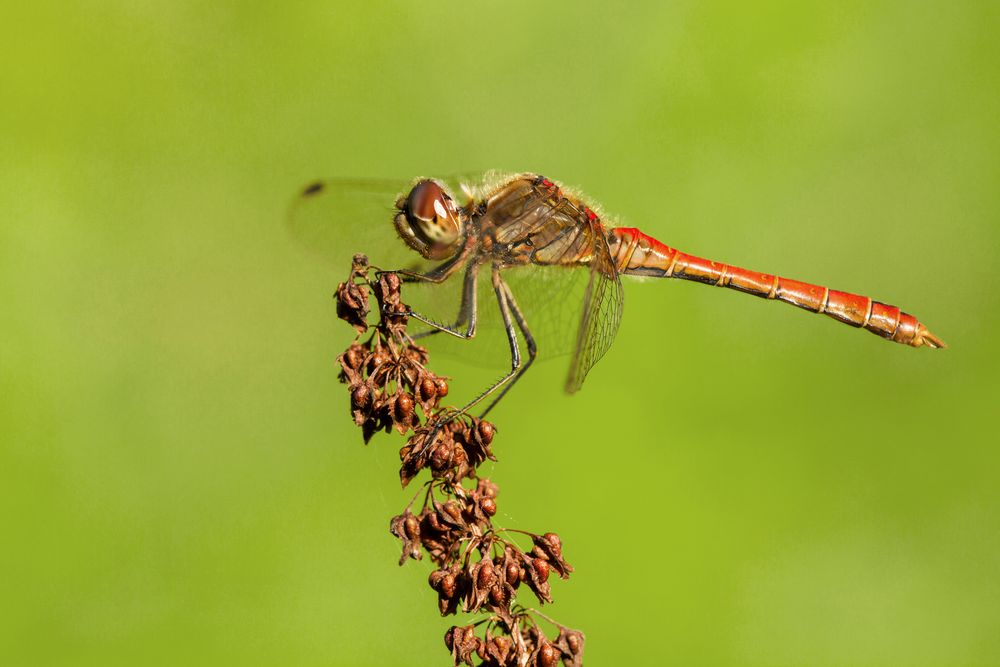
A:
429	221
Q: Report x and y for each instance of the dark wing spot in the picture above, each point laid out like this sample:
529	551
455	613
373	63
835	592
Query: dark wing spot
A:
313	188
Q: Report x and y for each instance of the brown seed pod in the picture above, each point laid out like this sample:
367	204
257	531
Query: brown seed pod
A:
485	574
448	585
354	356
441	457
407	528
352	305
378	358
411	526
442	387
426	388
512	573
361	396
547	656
403	407
453	510
555	544
486	431
541	569
498	650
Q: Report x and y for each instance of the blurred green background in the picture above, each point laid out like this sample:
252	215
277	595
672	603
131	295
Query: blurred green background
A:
737	484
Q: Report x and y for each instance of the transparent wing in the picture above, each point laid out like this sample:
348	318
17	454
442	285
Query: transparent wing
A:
569	309
600	315
550	298
338	218
334	219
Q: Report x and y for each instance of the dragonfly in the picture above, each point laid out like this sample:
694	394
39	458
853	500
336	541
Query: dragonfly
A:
543	256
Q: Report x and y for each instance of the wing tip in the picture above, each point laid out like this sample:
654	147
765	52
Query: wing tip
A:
313	188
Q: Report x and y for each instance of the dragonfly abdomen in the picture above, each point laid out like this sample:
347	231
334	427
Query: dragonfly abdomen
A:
639	254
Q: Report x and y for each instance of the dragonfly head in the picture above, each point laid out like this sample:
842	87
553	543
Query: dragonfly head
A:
429	221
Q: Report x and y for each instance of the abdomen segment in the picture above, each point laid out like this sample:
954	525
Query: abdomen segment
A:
638	254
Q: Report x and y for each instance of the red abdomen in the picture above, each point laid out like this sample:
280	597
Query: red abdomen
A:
638	254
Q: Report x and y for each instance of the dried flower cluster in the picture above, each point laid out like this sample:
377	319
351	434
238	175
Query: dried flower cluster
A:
480	568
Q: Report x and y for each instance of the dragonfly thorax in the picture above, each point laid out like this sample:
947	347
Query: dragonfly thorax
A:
429	221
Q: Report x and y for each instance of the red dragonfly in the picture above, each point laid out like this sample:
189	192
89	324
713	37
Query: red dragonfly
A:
543	254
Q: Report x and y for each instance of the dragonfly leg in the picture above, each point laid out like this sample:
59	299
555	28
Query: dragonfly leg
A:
438	274
529	341
466	311
509	314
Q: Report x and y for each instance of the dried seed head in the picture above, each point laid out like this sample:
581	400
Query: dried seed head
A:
570	642
497	650
536	574
387	379
352	305
549	547
462	642
407	528
449	591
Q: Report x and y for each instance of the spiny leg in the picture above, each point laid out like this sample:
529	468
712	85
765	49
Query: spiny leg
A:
467	310
503	299
529	341
437	275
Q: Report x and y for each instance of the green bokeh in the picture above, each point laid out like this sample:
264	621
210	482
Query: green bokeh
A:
738	482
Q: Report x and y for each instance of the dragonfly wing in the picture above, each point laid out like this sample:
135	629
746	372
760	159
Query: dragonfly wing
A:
601	313
337	218
569	307
549	298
